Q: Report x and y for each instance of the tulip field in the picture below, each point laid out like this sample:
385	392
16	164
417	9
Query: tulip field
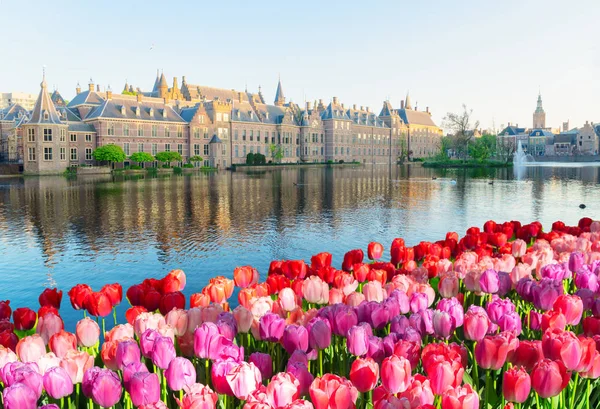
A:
505	316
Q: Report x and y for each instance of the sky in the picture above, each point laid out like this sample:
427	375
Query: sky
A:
493	56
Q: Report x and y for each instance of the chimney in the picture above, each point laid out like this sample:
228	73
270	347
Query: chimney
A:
509	124
335	100
91	85
368	109
362	108
354	107
402	104
239	96
78	89
98	88
109	93
182	79
308	106
139	97
343	106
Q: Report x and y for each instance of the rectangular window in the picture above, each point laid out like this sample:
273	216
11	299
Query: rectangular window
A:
179	132
73	153
154	130
244	151
219	117
126	148
225	117
73	137
88	154
154	149
251	135
111	129
205	133
196	133
63	153
126	129
88	137
47	135
197	150
47	153
223	133
258	136
140	130
31	154
243	135
140	147
235	135
180	148
31	135
237	151
167	132
167	147
206	149
63	135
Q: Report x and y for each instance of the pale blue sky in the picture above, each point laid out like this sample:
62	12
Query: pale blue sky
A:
491	55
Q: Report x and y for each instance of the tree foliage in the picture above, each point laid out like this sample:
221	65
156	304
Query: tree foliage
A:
276	152
168	157
109	153
505	149
141	157
255	159
462	130
196	158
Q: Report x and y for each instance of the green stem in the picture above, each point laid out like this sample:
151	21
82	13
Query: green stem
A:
587	394
488	387
206	372
115	315
574	391
320	362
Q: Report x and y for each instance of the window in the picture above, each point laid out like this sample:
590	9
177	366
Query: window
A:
251	135
31	154
154	149
140	130
219	117
179	132
235	135
126	148
63	153
225	117
197	150
140	147
224	152
73	153
154	130
63	135
180	148
88	137
88	153
73	137
47	153
167	132
243	135
223	133
167	147
31	136
196	133
47	135
237	151
111	129
244	151
205	133
126	129
258	136
206	149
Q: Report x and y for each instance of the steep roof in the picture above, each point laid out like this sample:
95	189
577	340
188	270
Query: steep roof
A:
125	106
44	111
58	99
512	131
15	112
279	98
387	109
362	117
540	132
87	98
334	111
410	116
215	139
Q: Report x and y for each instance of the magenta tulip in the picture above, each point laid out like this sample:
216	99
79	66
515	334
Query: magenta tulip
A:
163	352
180	373
271	327
144	388
127	352
106	388
263	362
295	337
57	383
395	374
19	396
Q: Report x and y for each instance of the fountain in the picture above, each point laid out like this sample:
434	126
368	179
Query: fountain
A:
521	158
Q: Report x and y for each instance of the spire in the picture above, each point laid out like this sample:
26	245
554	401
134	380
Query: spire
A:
44	111
163	88
407	104
126	87
156	81
279	98
539	107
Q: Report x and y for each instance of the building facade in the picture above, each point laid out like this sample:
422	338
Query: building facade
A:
222	126
8	99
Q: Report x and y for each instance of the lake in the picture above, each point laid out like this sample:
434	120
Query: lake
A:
56	231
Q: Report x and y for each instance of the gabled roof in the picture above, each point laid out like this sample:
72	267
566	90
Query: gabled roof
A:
335	111
15	112
125	107
44	111
512	131
58	99
540	132
362	117
410	116
387	109
188	113
215	139
87	98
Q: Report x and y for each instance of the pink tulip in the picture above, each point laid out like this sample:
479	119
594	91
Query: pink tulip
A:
462	397
31	348
62	342
519	247
180	373
119	332
333	392
178	320
208	342
130	370
49	325
144	388
48	361
287	299
6	356
128	352
357	340
57	383
148	320
106	388
18	372
395	374
198	396
419	392
19	396
163	352
76	363
282	390
244	379
88	332
373	291
243	318
219	370
315	290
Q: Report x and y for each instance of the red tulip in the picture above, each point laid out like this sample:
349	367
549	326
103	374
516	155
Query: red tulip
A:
47	309
460	398
245	276
571	306
492	351
360	272
527	354
320	261
199	300
516	385
132	313
170	301
174	281
352	257
364	374
588	348
98	304
549	378
591	326
374	251
52	297
562	346
114	292
24	319
9	340
333	392
5	310
294	269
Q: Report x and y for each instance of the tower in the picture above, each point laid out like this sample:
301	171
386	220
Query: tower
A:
407	104
163	88
539	116
279	98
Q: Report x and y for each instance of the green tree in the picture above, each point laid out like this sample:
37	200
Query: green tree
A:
196	158
250	159
479	150
462	130
276	152
141	157
259	159
168	157
109	153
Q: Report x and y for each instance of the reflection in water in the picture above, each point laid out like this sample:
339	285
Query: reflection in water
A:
58	231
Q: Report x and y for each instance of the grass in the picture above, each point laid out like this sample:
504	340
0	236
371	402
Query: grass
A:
468	163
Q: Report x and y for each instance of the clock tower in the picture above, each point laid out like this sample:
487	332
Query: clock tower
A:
539	116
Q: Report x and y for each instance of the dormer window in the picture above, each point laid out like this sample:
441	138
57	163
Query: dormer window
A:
267	115
238	114
164	113
137	111
123	110
45	115
151	112
251	114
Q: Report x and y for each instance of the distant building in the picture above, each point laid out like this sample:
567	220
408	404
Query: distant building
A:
221	125
27	101
539	116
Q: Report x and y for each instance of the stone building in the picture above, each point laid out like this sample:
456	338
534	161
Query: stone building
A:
25	100
222	126
539	116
